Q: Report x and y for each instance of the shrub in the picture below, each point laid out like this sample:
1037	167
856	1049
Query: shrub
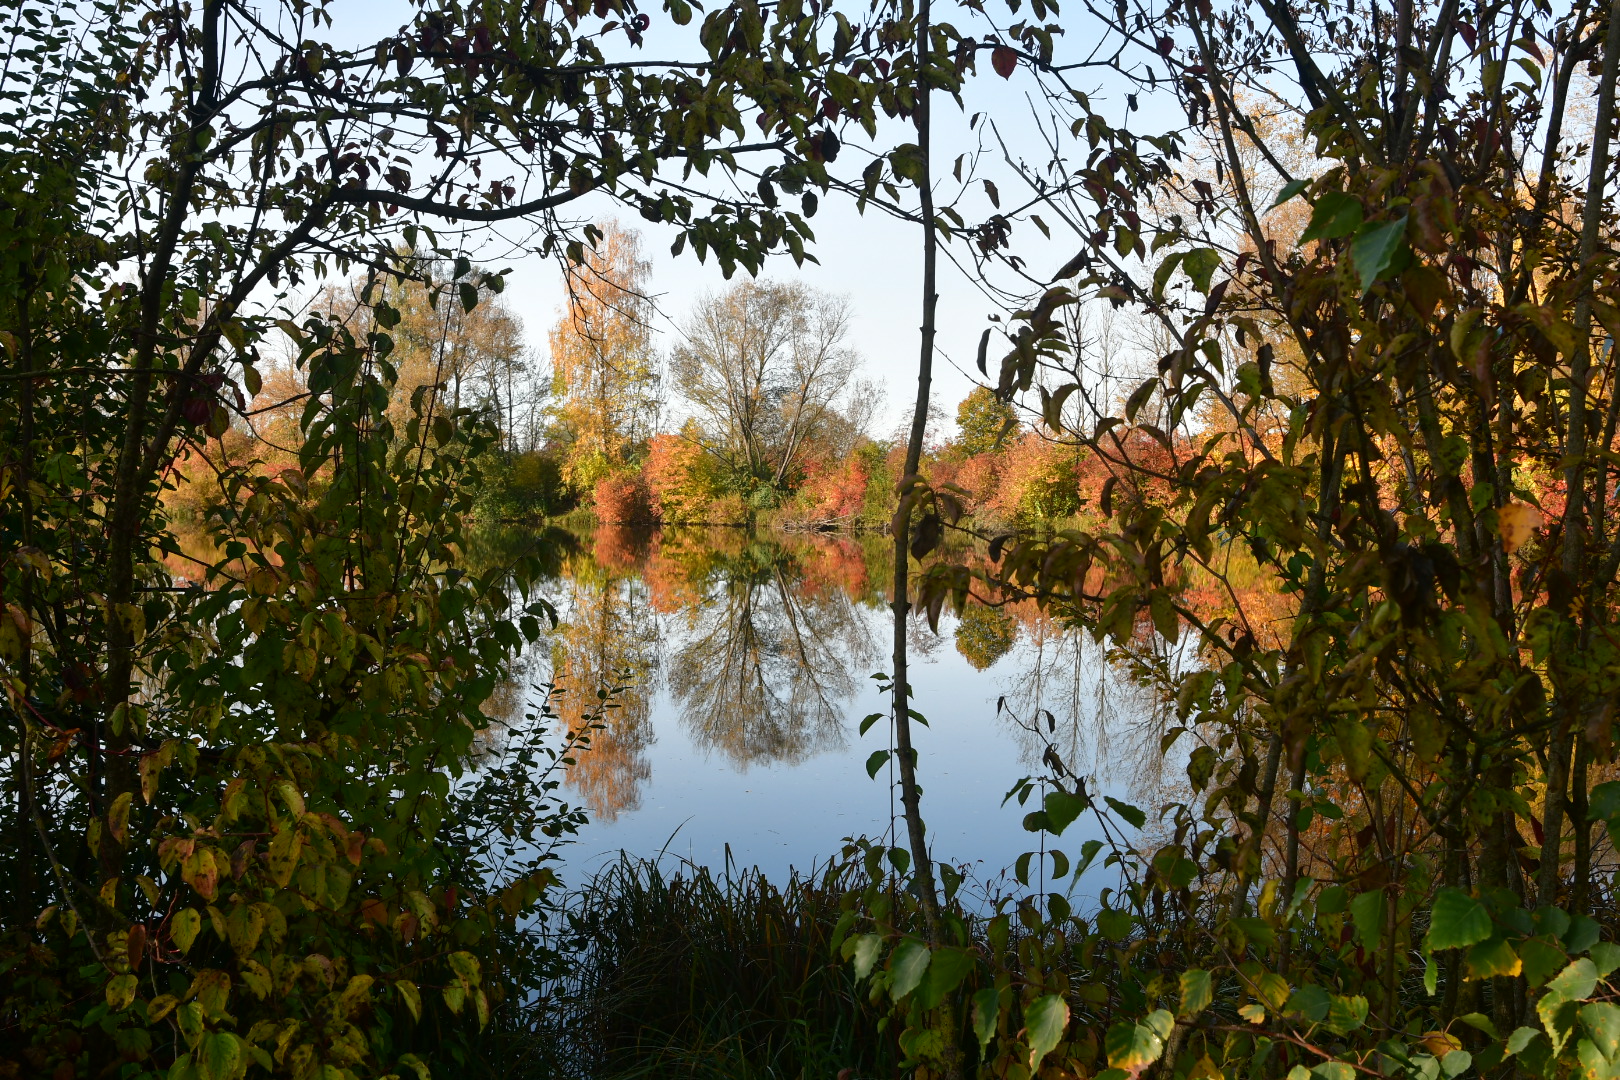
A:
1039	481
622	499
832	493
681	478
523	484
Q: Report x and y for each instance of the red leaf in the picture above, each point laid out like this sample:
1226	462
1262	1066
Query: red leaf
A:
1004	60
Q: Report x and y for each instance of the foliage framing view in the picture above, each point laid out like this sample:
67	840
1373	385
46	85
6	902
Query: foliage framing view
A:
1379	274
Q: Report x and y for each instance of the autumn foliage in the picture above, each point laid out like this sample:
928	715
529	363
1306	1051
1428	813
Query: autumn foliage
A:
622	499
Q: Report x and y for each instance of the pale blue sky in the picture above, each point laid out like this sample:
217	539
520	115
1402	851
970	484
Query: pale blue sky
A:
873	259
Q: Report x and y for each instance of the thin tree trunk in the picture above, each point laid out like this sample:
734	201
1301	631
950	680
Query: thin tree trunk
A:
922	865
1569	707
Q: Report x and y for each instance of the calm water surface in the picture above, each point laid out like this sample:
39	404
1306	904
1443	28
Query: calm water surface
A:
747	663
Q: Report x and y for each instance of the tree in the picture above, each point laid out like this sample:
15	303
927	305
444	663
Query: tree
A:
764	368
1403	790
606	375
983	422
243	785
458	357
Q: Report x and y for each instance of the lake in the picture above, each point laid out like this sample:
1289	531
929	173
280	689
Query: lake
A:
746	664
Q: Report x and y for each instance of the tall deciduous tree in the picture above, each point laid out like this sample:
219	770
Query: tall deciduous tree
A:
983	422
764	367
605	371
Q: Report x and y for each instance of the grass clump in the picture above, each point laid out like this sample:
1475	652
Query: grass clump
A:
690	974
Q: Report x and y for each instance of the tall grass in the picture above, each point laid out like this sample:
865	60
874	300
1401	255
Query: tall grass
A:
689	974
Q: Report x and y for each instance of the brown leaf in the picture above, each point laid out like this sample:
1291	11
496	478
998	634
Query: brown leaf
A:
1004	60
137	946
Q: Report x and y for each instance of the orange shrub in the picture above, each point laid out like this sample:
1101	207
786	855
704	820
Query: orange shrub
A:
681	479
622	499
833	491
1038	480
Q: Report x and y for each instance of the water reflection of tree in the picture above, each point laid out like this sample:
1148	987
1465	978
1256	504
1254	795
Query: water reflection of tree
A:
1069	691
607	638
769	660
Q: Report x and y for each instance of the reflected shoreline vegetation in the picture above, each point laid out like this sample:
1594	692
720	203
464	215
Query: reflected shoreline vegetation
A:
756	650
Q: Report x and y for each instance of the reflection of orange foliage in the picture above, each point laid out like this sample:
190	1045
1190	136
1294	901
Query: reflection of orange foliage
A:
606	642
622	499
610	772
671	583
833	565
620	547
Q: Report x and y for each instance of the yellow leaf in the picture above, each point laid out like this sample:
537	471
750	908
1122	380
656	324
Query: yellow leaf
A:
1517	523
118	818
412	997
120	992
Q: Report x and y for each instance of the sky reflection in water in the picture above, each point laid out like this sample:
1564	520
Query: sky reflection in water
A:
747	664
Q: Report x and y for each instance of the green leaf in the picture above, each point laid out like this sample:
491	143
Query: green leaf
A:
416	1065
1582	934
864	951
1481	1022
1334	1070
1602	1023
1130	813
411	996
986	1015
1062	808
1457	920
1456	1063
908	966
465	965
1576	982
221	1053
1045	1021
1367	912
1197	991
1290	189
1113	923
1334	215
1200	264
1311	1002
1540	959
1520	1039
1346	1014
1374	249
1491	958
875	762
1161	276
1605	957
946	970
184	928
469	295
1134	1047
